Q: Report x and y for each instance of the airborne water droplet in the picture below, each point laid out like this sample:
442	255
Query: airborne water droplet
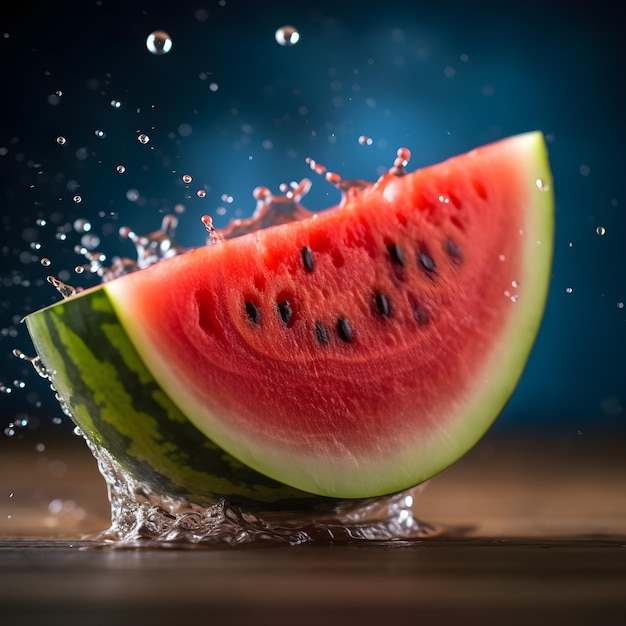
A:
46	262
66	291
120	169
601	231
82	225
287	35
61	140
143	138
187	178
159	42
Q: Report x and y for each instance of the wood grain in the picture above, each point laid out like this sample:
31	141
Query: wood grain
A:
536	534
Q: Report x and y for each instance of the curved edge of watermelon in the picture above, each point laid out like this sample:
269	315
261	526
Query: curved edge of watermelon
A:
473	414
504	369
502	372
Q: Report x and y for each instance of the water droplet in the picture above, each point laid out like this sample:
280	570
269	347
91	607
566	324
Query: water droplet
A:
541	185
187	178
514	283
143	138
201	193
333	178
120	169
66	291
287	35
601	231
569	290
116	104
90	241
100	134
620	305
403	156
77	199
364	140
46	262
82	225
61	140
159	42
318	168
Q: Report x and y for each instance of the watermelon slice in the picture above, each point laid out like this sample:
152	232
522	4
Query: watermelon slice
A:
354	353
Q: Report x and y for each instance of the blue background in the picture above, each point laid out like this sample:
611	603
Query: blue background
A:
438	78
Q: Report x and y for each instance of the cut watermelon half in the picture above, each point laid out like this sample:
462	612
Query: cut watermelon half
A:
351	354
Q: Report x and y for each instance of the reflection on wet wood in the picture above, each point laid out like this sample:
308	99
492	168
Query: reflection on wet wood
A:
537	534
530	488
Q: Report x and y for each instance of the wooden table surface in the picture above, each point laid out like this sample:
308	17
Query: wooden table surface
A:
535	533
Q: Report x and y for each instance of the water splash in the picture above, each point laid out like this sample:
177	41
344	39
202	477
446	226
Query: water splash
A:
36	362
66	291
141	517
271	210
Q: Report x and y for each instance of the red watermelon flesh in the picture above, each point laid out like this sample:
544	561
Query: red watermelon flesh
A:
362	350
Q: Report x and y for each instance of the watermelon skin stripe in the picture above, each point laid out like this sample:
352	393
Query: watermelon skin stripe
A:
144	431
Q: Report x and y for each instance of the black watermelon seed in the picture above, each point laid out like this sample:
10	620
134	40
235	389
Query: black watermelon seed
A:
344	330
421	315
307	258
382	304
286	312
253	311
427	262
321	332
396	254
453	251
